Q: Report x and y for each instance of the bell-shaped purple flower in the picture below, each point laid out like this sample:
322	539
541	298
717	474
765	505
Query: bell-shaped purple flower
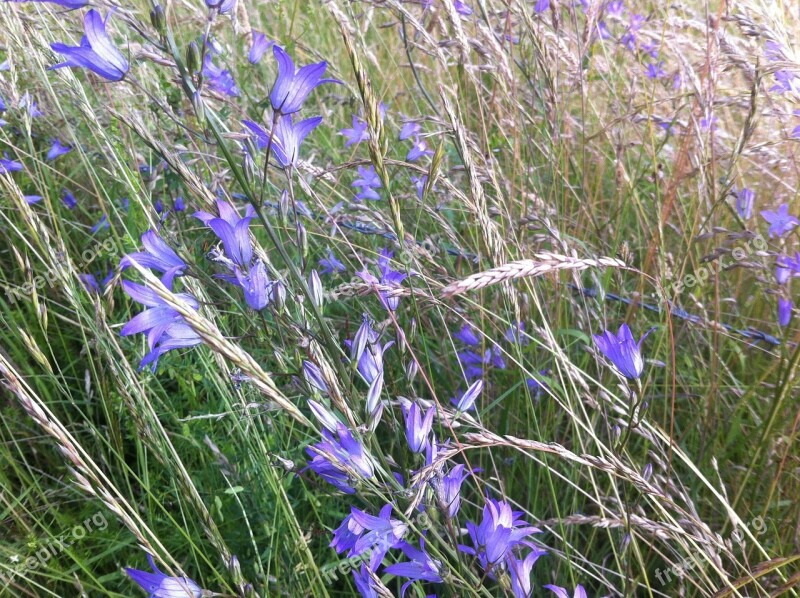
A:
410	129
165	328
467	400
7	165
622	350
467	335
58	149
256	285
259	47
224	7
520	572
357	133
388	278
745	198
501	530
784	311
219	79
158	256
292	85
232	230
780	222
287	138
340	461
367	350
96	51
418	427
448	489
418	150
564	593
160	585
331	264
420	566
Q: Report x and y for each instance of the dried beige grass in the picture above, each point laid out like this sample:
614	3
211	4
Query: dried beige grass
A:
544	263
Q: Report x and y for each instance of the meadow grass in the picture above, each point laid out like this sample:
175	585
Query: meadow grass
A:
565	189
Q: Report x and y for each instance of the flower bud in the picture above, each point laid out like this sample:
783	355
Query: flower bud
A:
315	289
192	58
278	295
158	19
199	107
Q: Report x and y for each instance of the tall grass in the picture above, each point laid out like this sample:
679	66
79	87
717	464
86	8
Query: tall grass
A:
565	190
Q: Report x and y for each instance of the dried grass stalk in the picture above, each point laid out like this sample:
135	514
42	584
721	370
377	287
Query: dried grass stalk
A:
542	264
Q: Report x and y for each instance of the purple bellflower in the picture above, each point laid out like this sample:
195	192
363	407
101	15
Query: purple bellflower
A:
368	180
32	199
357	133
340	461
7	166
165	327
418	150
219	79
27	102
313	376
787	267
158	256
367	351
501	530
784	311
420	566
475	363
367	177
68	199
180	204
256	285
223	6
541	5
419	184
101	224
622	350
655	70
259	47
58	149
467	336
378	534
785	81
564	593
89	282
520	572
448	489
418	427
461	8
233	231
287	138
389	278
744	203
516	334
96	51
467	400
292	85
780	222
366	583
159	585
410	129
331	264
